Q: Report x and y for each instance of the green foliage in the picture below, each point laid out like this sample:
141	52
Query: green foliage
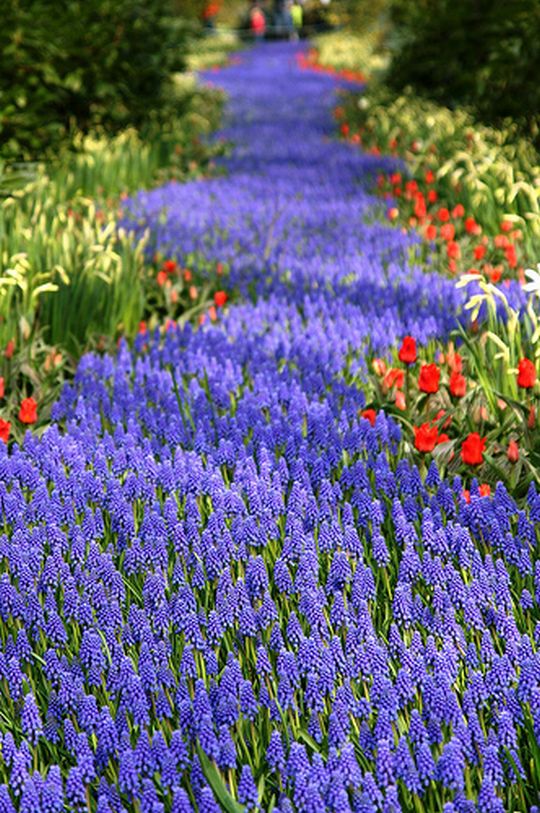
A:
70	276
65	269
80	64
491	402
493	172
479	52
358	15
348	50
213	50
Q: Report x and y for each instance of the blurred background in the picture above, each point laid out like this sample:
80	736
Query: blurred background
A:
75	65
100	99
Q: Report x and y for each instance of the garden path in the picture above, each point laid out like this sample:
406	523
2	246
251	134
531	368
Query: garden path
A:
231	560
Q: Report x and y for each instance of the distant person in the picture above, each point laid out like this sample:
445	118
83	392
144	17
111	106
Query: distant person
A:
280	17
297	16
210	12
288	20
257	21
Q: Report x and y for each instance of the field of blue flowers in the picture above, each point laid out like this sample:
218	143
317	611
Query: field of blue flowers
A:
221	588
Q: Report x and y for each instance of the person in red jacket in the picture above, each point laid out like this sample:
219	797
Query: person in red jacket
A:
210	13
257	21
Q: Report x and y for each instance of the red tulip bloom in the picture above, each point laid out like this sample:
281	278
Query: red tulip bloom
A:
432	196
448	231
458	385
5	427
2	387
443	214
28	411
484	489
431	232
471	226
420	207
428	380
472	449
425	437
512	452
407	351
411	187
379	366
370	415
429	176
220	297
458	210
10	349
495	274
453	250
440	415
161	278
511	256
169	266
454	361
400	401
394	378
479	252
526	374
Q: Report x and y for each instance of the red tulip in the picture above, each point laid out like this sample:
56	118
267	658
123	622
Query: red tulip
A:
448	231
369	414
407	351
428	380
526	374
425	437
458	385
443	214
28	411
472	449
512	452
5	427
479	252
220	297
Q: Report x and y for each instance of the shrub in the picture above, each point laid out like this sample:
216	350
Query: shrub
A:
93	62
461	52
492	172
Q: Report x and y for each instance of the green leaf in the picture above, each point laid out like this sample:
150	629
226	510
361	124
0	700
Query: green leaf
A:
218	786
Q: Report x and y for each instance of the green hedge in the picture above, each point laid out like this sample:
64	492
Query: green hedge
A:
484	53
78	64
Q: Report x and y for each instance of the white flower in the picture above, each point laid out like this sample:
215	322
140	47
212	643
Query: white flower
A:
533	287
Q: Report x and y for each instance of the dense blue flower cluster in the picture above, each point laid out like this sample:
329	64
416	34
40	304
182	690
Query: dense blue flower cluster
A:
218	581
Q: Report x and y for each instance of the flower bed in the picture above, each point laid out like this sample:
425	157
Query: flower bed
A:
71	277
467	191
223	588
